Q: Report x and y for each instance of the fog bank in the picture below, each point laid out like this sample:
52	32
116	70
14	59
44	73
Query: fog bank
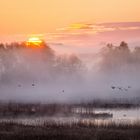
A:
43	75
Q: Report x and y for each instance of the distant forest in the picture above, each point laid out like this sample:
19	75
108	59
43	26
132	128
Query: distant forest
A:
19	62
120	58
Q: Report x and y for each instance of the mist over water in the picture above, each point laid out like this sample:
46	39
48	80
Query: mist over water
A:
43	75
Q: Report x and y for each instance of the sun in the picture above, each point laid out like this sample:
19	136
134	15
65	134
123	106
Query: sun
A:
34	42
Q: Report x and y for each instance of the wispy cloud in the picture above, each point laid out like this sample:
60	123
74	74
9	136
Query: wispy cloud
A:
91	36
86	30
101	27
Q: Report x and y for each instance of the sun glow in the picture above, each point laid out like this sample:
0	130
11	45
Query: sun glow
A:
79	26
34	41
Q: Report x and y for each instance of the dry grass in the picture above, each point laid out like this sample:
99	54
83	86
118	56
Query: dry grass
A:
75	131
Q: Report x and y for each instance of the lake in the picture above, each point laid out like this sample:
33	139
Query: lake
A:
118	116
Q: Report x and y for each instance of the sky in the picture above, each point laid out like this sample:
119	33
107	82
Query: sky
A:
71	25
42	16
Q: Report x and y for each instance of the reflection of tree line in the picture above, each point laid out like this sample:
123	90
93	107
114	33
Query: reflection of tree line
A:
82	109
32	109
18	61
29	109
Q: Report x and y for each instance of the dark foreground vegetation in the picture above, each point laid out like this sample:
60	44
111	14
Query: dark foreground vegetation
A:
11	129
77	131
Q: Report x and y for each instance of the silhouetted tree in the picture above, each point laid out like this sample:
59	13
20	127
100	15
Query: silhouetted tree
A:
69	65
115	57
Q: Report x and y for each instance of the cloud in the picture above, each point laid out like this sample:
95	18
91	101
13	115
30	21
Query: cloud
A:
85	31
88	37
101	27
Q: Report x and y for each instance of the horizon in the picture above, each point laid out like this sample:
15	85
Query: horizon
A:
74	37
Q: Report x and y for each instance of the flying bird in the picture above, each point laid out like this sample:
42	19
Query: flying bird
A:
19	85
126	89
120	88
33	85
63	91
113	87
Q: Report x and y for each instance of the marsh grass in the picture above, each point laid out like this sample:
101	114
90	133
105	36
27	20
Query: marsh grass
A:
74	131
59	130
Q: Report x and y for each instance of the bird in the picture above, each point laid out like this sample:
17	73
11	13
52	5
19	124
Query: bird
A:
125	89
19	85
124	115
129	86
113	87
120	88
33	85
63	91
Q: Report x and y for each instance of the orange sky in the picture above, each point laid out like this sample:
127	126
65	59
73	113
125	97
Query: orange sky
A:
42	16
